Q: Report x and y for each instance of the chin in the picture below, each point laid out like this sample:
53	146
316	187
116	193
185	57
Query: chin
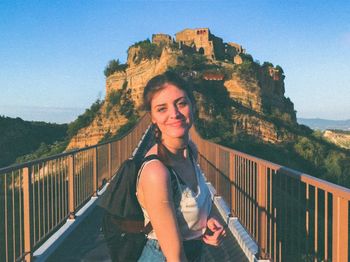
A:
178	133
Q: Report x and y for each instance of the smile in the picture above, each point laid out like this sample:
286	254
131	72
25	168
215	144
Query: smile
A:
177	124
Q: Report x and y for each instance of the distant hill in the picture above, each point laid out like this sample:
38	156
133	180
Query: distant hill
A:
323	124
19	137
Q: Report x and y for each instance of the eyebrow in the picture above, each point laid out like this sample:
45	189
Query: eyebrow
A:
176	100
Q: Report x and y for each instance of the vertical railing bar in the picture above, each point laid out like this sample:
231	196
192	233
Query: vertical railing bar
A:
244	213
94	173
316	223
32	172
270	210
239	187
307	219
13	215
233	181
255	196
64	187
27	215
20	212
6	220
262	240
340	229
326	225
299	212
71	195
60	188
51	189
44	200
39	203
249	196
47	197
245	187
75	180
56	193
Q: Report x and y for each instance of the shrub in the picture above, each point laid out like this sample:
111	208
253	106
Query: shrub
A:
85	119
114	66
147	50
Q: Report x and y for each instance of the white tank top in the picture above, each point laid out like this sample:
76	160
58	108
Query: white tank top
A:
192	208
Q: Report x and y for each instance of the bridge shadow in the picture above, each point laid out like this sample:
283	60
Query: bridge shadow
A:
86	243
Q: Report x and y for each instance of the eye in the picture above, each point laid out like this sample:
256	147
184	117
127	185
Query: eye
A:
182	103
161	109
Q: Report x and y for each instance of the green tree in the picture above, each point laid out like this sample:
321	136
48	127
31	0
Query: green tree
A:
114	66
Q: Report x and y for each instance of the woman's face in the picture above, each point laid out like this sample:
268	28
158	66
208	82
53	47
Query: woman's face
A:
171	110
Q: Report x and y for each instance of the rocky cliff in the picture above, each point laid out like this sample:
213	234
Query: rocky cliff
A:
256	92
340	138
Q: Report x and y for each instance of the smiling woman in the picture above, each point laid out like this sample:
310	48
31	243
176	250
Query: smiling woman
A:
171	189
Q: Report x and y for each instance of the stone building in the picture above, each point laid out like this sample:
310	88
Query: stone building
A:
233	52
162	39
203	41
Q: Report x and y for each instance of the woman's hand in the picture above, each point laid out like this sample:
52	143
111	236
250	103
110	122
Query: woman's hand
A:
214	233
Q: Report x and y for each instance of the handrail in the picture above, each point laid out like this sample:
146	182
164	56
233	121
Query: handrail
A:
32	162
292	216
38	196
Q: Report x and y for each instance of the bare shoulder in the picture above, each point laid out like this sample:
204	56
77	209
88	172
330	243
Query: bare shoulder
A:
154	173
194	149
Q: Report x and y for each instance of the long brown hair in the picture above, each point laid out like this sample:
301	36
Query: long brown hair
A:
155	85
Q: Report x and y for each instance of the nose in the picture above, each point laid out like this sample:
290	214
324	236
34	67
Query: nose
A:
174	113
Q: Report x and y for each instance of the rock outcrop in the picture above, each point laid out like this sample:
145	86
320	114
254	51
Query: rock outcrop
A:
340	138
261	93
137	75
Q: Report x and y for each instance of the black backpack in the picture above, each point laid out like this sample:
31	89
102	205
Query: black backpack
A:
123	220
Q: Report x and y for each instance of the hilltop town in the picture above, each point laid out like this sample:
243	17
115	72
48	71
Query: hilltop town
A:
202	57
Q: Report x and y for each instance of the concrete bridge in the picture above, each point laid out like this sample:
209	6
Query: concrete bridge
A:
48	208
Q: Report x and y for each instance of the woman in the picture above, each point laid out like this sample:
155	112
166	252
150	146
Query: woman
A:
172	192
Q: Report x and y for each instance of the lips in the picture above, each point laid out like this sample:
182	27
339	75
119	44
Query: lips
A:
177	124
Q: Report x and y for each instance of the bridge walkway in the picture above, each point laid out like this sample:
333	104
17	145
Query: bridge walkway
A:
86	243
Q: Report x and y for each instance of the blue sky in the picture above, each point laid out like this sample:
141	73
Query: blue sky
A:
53	53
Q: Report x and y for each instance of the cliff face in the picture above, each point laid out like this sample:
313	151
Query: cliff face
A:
248	95
103	123
341	138
137	75
258	93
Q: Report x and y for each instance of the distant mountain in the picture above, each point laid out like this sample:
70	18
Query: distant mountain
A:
323	124
19	137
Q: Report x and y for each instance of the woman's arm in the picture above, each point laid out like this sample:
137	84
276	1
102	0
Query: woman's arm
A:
155	187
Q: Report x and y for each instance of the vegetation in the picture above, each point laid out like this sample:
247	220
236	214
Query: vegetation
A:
44	150
308	152
85	119
113	99
114	66
147	50
19	137
123	130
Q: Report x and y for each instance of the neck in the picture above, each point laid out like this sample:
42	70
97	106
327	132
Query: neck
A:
176	146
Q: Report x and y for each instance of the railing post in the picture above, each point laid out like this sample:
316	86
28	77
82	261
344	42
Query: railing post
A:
340	229
27	199
262	217
95	172
233	182
109	161
217	166
71	198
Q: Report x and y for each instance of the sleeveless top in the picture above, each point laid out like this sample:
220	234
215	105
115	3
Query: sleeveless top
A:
192	208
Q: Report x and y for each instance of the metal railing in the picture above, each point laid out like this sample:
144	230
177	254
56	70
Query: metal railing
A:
37	197
291	216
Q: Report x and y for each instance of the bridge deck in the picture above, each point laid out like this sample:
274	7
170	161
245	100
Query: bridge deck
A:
86	243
